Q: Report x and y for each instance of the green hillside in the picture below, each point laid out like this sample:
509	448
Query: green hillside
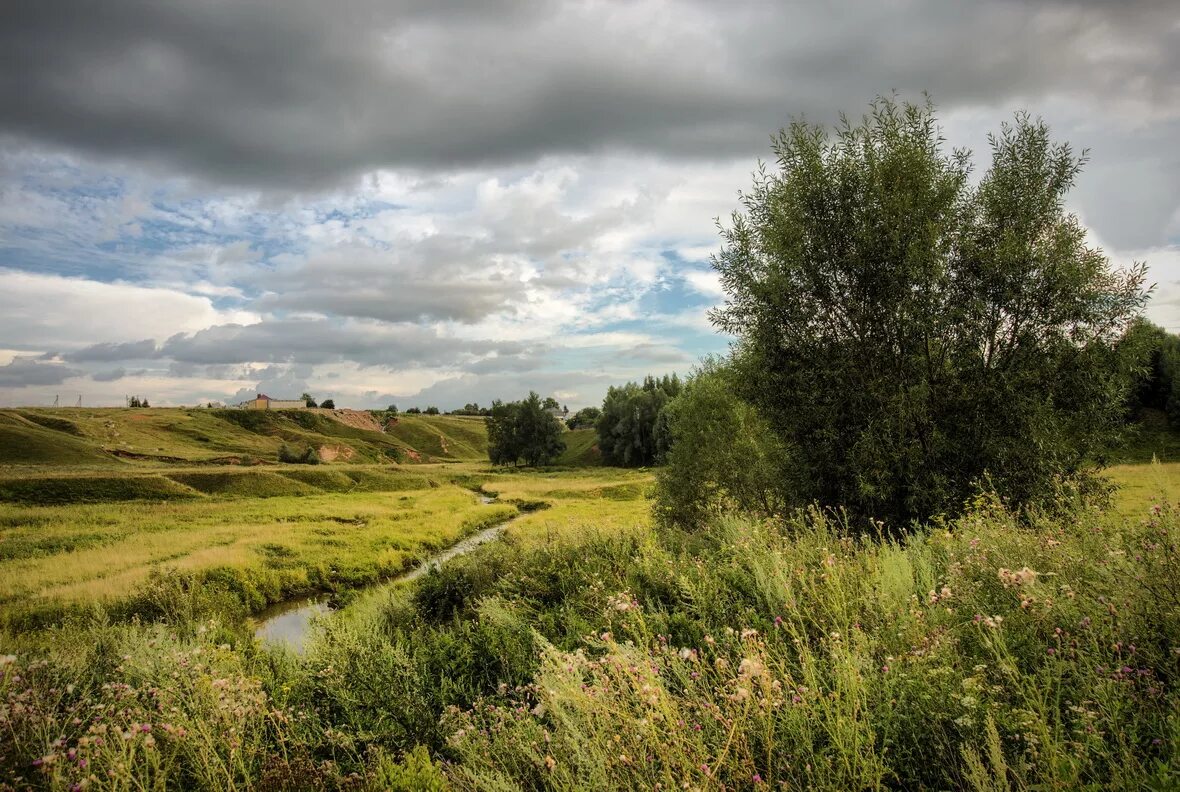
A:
116	436
581	448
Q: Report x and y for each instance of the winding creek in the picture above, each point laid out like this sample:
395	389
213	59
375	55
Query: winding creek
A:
289	623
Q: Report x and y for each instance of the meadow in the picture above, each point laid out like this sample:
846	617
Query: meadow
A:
587	649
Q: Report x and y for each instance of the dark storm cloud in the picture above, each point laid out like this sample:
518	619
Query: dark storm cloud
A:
25	372
300	94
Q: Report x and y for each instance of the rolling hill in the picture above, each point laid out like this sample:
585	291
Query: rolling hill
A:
103	437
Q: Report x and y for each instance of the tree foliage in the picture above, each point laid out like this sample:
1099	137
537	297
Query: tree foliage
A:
584	418
906	333
630	432
1154	356
523	431
471	408
721	454
328	404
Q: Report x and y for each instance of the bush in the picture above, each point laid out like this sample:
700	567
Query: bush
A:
308	457
723	455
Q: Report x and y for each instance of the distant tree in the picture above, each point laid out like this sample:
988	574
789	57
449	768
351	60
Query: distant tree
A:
627	427
523	431
414	411
391	409
308	399
550	403
432	410
584	418
328	404
907	331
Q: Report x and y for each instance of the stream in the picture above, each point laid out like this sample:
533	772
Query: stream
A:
289	622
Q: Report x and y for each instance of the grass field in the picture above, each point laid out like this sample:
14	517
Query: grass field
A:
70	540
586	649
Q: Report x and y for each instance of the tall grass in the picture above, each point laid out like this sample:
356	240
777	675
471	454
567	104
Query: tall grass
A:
986	653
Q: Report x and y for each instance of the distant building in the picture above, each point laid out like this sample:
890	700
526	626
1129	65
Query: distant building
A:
264	402
559	413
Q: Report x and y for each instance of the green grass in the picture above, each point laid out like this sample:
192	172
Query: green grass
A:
147	437
69	540
251	484
581	448
44	490
24	442
591	651
588	649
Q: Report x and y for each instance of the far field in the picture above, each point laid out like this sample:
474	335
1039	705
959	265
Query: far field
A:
96	504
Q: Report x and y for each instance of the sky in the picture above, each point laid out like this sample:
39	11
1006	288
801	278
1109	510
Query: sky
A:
416	203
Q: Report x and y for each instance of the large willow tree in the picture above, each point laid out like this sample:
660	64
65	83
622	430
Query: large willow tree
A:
910	334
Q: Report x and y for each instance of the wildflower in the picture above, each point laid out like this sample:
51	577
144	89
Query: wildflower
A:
1021	577
757	779
778	621
550	762
749	667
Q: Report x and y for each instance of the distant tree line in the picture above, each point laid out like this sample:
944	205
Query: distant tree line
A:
472	409
137	401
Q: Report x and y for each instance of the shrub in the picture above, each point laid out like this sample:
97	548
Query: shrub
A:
308	457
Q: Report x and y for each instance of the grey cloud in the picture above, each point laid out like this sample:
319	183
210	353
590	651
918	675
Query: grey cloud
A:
313	342
25	372
300	94
109	353
579	388
109	376
392	299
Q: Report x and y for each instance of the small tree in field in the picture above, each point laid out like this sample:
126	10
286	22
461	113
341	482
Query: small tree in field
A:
907	334
523	430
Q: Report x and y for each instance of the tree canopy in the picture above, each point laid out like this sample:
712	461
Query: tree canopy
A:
523	431
907	333
630	432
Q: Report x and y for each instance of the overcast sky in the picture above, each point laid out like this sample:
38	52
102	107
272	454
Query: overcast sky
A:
458	200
